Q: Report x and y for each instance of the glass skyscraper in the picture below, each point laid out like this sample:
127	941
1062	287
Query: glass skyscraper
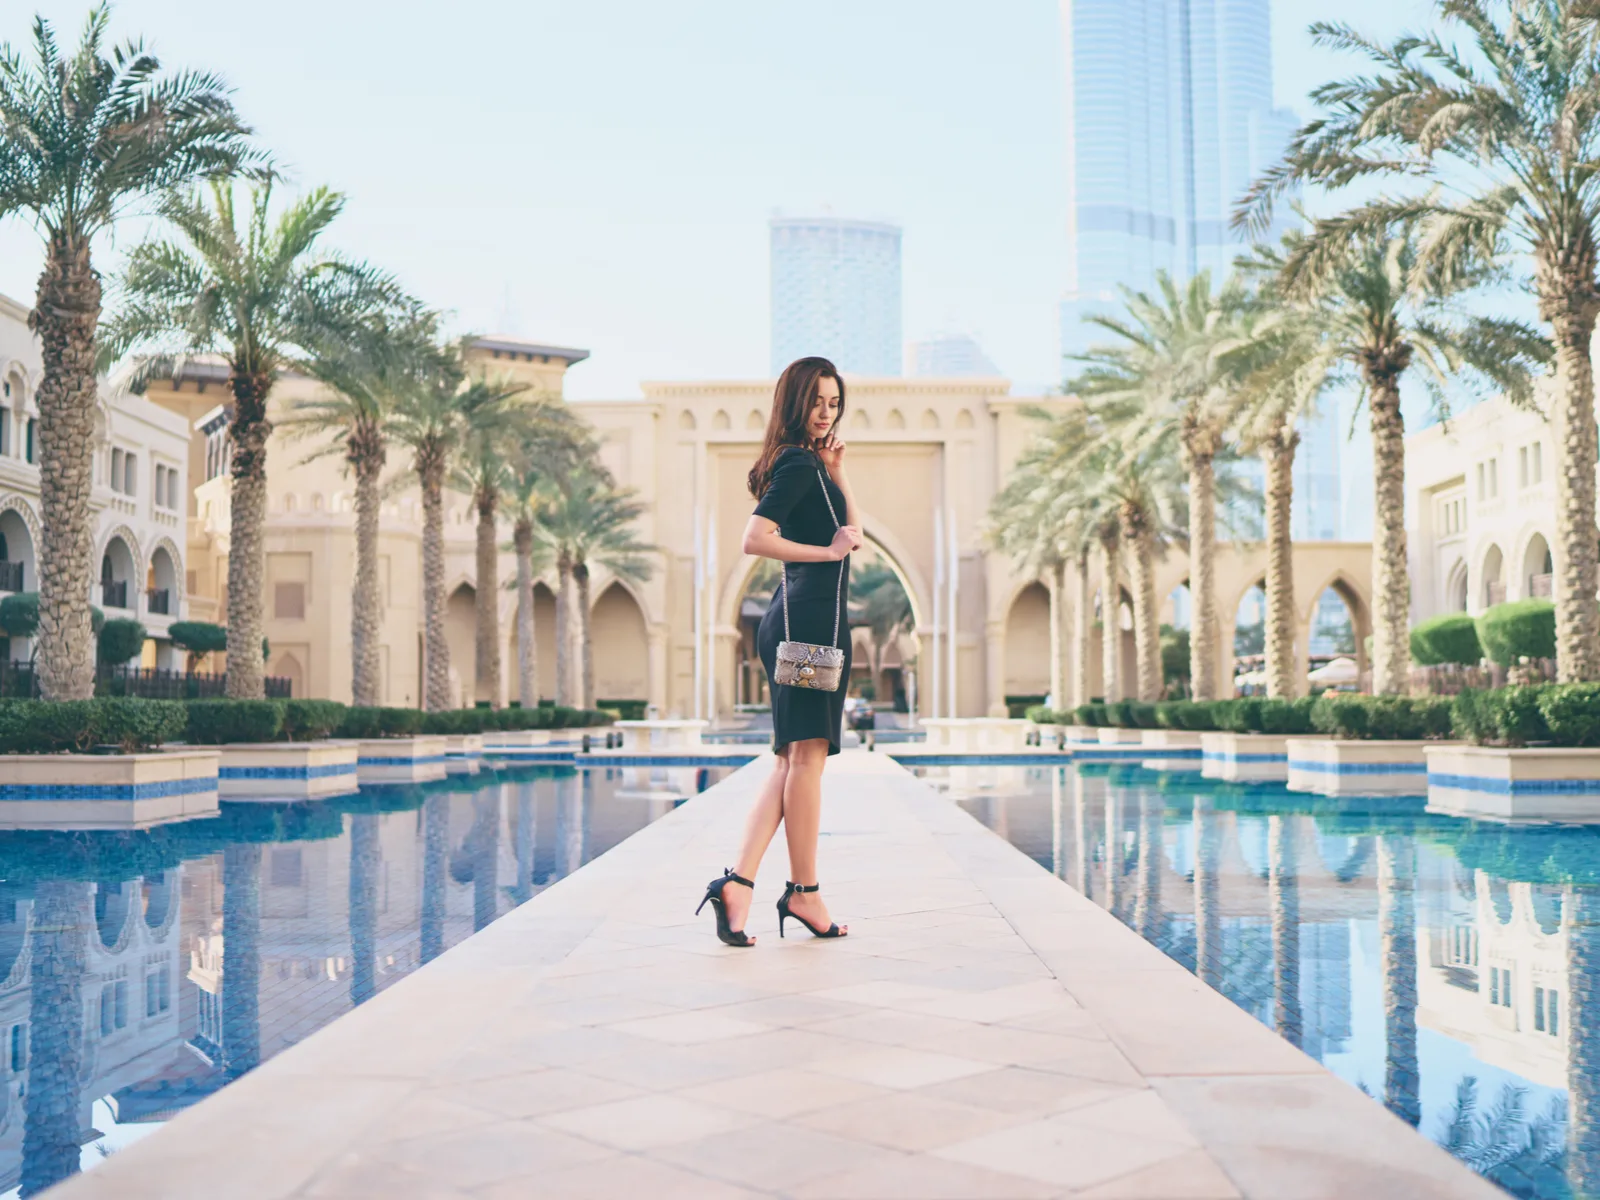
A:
1169	119
836	292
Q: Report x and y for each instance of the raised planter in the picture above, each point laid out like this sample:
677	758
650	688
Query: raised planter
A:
107	791
515	742
1082	735
402	760
1543	783
639	736
463	753
287	770
1047	737
1120	737
1245	757
1352	767
976	735
1170	749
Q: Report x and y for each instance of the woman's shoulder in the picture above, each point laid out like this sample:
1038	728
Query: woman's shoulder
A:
789	455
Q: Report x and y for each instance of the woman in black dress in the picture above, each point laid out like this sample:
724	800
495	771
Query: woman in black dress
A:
806	518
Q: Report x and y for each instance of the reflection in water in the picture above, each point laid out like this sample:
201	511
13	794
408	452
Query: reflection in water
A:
366	860
59	948
1450	968
141	971
241	968
1397	927
1283	888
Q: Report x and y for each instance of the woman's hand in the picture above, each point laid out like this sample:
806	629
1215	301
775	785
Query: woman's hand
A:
831	452
847	538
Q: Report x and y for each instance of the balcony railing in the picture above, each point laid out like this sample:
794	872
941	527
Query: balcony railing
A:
1496	593
114	593
10	576
1541	585
158	601
17	679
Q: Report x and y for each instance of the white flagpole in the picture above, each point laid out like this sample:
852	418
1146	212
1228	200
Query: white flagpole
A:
952	608
711	616
934	673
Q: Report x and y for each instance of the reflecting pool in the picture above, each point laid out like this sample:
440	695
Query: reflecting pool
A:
1449	968
142	971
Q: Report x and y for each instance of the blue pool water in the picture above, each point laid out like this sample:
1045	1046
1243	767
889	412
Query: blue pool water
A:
1449	968
142	971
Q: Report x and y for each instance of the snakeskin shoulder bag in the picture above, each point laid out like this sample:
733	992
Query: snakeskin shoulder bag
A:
800	664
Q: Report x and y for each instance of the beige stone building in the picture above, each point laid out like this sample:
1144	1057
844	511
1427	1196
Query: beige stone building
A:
926	457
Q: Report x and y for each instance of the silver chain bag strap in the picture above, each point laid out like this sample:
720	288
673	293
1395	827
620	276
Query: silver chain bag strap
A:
800	664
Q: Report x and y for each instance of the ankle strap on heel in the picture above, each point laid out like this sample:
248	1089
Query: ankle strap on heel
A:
795	887
732	878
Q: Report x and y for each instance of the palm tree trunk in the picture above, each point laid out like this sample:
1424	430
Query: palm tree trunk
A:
366	458
1397	931
1082	612
1058	636
525	841
564	628
436	647
65	317
1110	616
1577	578
487	601
58	953
1202	577
366	862
1282	680
1147	918
527	646
580	578
1580	913
1391	580
1283	898
1137	536
247	559
485	857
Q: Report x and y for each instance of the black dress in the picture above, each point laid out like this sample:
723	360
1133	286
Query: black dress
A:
794	500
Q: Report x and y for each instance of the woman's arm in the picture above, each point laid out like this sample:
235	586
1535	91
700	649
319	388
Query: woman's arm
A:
832	456
761	537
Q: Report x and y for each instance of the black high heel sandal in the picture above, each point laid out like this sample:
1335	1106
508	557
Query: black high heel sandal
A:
713	897
832	931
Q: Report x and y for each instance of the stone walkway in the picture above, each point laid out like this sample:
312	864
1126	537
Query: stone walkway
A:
983	1032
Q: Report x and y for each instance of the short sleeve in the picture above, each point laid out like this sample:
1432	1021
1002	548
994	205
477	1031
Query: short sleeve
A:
792	477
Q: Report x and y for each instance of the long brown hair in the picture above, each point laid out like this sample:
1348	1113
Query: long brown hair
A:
791	408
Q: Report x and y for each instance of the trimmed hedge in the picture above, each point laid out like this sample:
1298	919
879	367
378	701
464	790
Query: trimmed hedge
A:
129	723
1196	716
1092	714
1382	718
376	722
1508	716
1447	638
1518	629
310	720
220	722
1256	715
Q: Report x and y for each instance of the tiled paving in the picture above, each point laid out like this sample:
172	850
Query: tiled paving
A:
983	1032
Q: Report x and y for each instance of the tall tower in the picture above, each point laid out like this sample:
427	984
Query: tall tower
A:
1169	117
836	292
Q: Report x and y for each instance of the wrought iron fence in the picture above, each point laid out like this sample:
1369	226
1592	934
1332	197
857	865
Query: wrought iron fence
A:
20	679
158	601
114	593
1541	585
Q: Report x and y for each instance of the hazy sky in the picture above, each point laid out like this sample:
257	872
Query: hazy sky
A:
599	173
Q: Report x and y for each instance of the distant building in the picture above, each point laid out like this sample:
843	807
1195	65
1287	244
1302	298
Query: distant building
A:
836	292
1169	118
1316	514
951	355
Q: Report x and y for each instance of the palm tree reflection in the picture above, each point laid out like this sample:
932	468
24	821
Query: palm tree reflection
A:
366	859
435	863
59	944
241	958
1283	887
1397	930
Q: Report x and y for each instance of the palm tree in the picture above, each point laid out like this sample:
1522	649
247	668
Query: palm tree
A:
590	520
82	139
530	435
1504	135
1283	897
266	297
885	609
1379	314
241	967
366	864
1397	928
1163	375
525	500
365	379
434	418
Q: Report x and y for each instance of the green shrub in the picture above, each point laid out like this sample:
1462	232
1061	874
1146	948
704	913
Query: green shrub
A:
1518	629
121	638
399	722
1504	717
634	710
52	726
457	721
1447	638
359	721
1039	714
1382	718
1571	713
19	615
1193	715
198	639
1092	714
310	720
1131	714
218	722
1259	715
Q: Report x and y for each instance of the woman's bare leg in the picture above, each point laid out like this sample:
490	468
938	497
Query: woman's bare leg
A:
802	820
760	824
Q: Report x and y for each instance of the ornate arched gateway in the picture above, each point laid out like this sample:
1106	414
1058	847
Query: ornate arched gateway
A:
924	486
